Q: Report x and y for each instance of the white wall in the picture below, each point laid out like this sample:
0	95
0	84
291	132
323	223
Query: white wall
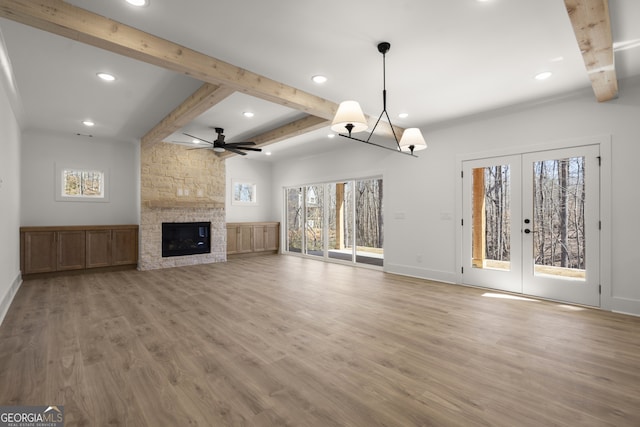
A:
41	151
424	190
239	168
9	200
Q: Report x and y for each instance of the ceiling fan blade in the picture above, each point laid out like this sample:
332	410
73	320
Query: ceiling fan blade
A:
238	144
249	148
233	150
195	137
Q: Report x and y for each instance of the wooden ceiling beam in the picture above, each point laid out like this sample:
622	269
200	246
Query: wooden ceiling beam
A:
592	27
66	20
199	102
294	128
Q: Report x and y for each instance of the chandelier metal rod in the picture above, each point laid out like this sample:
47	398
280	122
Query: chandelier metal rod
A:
366	141
383	48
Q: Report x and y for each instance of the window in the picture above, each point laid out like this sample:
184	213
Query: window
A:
80	183
75	184
244	194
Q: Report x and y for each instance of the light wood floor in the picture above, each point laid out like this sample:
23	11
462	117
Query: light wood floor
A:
281	340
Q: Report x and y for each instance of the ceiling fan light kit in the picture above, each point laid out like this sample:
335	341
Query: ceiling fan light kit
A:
219	146
350	117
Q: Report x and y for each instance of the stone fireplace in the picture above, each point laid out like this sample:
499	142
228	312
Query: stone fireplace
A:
180	185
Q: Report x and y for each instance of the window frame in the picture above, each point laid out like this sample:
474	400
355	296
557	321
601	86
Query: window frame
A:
60	184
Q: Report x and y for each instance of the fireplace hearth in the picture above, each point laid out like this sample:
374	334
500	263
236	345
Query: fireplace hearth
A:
185	238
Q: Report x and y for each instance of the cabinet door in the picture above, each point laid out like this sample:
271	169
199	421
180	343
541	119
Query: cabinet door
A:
272	237
71	250
98	248
39	252
245	238
232	239
259	238
124	246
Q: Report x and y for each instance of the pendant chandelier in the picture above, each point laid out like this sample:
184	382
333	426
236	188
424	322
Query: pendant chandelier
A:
350	117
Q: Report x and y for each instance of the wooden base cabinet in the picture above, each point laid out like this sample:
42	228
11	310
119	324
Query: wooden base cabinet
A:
41	247
71	250
239	238
252	237
55	249
98	248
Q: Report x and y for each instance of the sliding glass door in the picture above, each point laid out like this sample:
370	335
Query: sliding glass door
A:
342	221
314	220
295	219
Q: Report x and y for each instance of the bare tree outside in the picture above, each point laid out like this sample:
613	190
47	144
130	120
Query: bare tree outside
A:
559	233
558	215
359	199
294	219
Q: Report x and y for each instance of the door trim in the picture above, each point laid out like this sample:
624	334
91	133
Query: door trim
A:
605	142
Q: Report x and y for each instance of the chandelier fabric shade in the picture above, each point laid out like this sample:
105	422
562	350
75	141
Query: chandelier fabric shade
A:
412	140
349	116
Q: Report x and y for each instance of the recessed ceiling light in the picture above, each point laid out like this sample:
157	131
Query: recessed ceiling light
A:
248	114
106	77
319	79
88	123
403	115
543	76
138	3
267	153
195	141
331	135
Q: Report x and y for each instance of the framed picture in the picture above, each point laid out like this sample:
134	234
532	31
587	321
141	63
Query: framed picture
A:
81	184
244	193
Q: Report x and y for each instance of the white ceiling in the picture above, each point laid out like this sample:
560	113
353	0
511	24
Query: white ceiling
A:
448	59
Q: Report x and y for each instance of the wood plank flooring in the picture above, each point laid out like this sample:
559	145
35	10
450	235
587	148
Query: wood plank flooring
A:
286	341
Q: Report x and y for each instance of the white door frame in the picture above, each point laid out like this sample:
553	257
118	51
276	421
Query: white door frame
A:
605	201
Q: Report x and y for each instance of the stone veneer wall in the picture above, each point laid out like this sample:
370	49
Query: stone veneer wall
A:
180	185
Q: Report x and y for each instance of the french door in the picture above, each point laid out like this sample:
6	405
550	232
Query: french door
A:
531	224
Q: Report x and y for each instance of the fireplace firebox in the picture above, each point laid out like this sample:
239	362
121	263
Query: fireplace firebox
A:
186	238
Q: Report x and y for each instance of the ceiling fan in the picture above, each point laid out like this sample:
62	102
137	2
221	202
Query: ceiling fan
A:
220	146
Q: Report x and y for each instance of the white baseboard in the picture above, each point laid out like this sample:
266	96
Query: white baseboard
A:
7	299
420	273
625	306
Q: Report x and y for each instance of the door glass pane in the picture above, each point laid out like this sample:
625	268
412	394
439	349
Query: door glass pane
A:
314	227
559	229
340	221
369	221
491	217
294	219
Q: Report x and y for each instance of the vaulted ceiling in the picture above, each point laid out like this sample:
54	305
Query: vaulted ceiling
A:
193	65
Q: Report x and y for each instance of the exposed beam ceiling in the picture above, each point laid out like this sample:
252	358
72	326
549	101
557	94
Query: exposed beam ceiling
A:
295	128
63	19
200	101
221	78
592	27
